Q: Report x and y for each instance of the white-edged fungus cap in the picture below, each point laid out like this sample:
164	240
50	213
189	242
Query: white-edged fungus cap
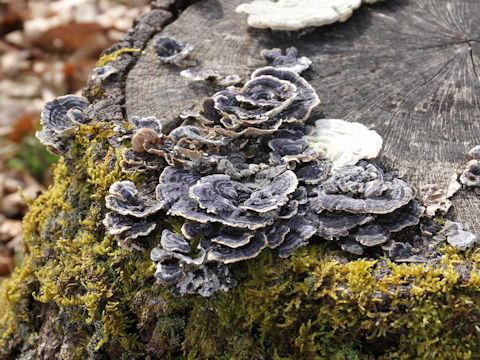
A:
343	142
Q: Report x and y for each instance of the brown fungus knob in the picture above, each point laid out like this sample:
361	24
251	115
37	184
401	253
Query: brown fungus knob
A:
142	137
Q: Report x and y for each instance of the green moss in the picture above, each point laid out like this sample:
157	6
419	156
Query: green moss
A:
113	56
309	306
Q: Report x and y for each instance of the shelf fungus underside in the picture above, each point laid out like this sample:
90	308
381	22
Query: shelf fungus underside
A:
298	14
246	174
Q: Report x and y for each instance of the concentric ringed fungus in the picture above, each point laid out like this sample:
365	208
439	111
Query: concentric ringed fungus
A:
170	51
242	175
60	120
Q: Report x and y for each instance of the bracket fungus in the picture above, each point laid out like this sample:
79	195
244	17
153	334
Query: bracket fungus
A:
345	143
456	235
184	274
290	60
297	14
360	194
243	176
130	219
272	97
171	52
60	119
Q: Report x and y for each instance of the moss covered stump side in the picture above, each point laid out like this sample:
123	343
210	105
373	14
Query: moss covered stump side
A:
78	295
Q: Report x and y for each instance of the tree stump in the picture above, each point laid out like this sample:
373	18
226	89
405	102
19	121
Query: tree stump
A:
408	69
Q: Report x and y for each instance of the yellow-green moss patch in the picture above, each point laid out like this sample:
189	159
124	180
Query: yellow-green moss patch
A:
113	56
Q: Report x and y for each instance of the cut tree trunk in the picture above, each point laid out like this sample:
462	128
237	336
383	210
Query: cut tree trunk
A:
408	69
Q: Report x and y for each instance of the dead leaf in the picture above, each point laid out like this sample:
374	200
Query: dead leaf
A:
7	262
25	124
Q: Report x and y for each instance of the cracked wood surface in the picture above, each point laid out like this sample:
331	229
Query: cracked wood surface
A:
408	69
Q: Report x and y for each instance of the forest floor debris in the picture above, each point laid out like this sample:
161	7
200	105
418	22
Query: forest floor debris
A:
47	49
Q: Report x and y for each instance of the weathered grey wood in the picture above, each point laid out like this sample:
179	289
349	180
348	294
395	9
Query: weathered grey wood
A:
408	69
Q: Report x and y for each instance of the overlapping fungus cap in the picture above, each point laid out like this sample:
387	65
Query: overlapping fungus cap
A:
457	236
184	274
371	235
288	146
236	166
363	203
60	120
301	230
243	177
334	225
314	171
171	52
350	245
128	230
194	134
130	219
218	198
134	162
290	60
272	97
227	254
399	219
305	97
125	199
362	188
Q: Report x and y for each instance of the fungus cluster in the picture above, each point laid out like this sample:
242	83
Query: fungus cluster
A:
245	174
361	206
243	177
130	221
